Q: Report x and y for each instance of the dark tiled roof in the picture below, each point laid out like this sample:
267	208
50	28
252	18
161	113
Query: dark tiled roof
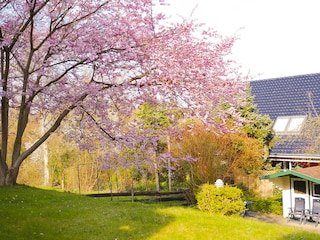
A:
288	96
290	144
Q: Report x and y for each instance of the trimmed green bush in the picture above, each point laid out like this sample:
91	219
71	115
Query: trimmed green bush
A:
226	200
266	205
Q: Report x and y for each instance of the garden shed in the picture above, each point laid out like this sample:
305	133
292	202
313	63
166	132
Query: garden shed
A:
302	182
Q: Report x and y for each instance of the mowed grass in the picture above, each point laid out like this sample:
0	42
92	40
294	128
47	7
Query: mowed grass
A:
32	213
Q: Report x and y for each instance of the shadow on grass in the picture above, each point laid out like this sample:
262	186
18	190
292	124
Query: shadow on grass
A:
31	213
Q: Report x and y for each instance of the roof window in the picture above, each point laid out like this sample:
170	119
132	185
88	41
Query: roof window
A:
289	125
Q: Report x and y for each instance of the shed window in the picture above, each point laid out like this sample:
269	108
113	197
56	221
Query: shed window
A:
300	187
316	190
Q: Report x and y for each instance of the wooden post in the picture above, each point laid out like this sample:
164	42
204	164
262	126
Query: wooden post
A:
132	191
79	185
169	166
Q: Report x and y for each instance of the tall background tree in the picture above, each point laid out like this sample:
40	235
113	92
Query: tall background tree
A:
100	60
257	125
156	121
224	155
217	156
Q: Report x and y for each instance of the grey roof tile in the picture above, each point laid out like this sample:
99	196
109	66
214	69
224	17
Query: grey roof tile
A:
288	96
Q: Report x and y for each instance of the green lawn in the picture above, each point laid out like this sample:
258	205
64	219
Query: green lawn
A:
31	213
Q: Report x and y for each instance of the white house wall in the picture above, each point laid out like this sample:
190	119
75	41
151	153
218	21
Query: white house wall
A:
283	183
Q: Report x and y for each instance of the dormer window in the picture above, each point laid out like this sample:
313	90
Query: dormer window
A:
289	125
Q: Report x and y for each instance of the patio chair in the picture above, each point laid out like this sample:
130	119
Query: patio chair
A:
298	212
314	213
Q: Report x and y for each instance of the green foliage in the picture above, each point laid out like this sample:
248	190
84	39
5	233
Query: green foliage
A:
263	205
257	126
153	116
267	205
61	159
226	200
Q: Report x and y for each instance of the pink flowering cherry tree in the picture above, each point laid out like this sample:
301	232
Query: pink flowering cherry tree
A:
97	61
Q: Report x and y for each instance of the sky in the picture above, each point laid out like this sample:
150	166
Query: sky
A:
277	38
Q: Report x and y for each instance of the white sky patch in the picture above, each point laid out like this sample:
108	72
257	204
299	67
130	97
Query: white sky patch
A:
277	37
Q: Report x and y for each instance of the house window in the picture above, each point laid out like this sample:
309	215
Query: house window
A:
300	187
316	190
289	125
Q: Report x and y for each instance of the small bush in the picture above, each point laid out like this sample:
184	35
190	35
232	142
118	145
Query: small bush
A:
266	205
263	205
226	200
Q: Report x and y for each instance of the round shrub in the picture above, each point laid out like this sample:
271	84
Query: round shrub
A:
225	200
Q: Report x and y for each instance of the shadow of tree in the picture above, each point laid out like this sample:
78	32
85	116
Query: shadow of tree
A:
31	213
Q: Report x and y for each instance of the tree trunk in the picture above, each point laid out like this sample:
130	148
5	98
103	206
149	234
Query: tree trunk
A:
2	178
9	178
46	174
169	166
169	176
157	178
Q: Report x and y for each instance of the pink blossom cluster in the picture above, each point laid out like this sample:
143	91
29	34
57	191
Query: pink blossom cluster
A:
90	63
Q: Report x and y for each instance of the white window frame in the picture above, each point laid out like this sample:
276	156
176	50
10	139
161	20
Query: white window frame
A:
289	124
280	124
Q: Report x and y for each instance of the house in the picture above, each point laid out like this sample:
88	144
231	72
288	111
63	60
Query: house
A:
293	103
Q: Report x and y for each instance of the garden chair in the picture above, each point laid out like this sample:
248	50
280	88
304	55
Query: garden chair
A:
298	212
245	212
314	213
